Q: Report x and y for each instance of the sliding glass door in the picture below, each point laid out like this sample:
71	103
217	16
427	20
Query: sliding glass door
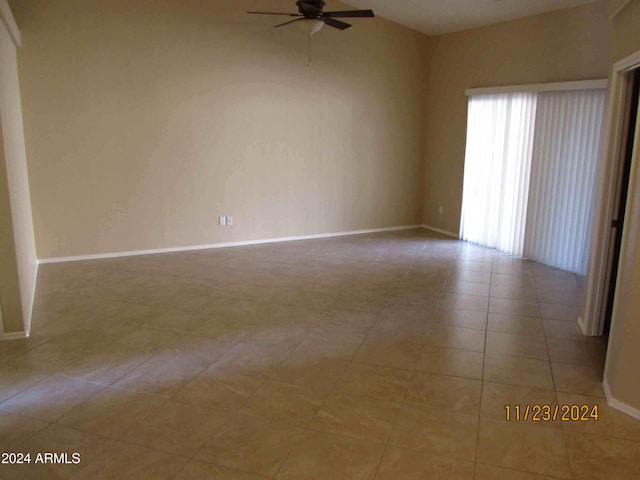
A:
530	174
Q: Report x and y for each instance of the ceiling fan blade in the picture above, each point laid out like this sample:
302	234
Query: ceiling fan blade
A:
276	13
350	14
334	23
287	23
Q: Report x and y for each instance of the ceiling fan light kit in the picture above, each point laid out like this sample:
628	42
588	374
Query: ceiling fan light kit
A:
312	16
309	26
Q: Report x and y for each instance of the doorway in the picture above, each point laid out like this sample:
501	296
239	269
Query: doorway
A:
621	196
608	244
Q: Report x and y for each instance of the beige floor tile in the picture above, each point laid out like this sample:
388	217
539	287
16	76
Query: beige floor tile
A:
582	353
567	331
515	324
198	470
471	265
400	463
123	460
235	308
525	372
48	357
275	333
373	381
176	428
407	311
470	276
217	390
449	361
253	444
330	344
437	431
347	322
144	339
400	329
459	318
467	288
416	291
325	456
489	472
358	417
162	375
195	349
55	438
512	279
560	296
320	374
579	379
462	301
496	397
514	307
560	311
388	353
15	429
511	265
289	403
475	252
180	321
328	330
499	343
247	358
522	446
455	337
610	422
594	457
15	379
111	413
106	365
51	398
523	293
302	317
444	392
16	348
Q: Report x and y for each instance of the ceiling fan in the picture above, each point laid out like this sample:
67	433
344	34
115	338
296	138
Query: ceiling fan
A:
311	11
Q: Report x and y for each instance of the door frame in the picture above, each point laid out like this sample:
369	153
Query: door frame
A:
592	320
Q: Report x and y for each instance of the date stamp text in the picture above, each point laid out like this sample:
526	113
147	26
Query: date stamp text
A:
551	413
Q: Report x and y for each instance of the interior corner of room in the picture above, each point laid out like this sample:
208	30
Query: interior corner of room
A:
135	130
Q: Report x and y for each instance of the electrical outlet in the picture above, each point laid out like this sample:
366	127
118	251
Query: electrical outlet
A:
223	221
440	210
229	220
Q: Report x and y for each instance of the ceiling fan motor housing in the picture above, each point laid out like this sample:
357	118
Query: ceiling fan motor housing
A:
310	8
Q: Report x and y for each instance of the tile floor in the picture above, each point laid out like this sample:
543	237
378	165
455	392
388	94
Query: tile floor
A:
386	356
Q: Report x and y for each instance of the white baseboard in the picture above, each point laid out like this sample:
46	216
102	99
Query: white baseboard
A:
29	315
220	245
14	336
443	232
617	404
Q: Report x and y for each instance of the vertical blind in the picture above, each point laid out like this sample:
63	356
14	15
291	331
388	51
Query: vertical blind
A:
530	174
563	172
496	176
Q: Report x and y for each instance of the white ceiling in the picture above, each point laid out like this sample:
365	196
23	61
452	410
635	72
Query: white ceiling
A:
435	17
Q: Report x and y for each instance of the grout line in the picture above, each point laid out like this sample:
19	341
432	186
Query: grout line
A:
482	379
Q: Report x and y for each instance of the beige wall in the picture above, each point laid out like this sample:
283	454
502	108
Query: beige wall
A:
18	255
9	283
147	120
565	45
623	355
